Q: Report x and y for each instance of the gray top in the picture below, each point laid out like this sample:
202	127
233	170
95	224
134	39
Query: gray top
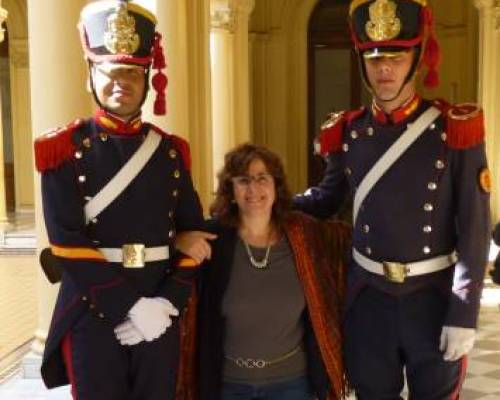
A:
263	315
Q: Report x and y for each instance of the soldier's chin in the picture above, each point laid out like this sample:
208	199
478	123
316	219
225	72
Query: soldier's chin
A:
123	112
385	96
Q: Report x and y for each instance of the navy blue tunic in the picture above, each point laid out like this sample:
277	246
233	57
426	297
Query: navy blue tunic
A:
159	202
429	203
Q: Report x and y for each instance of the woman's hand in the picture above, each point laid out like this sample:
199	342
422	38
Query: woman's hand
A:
195	244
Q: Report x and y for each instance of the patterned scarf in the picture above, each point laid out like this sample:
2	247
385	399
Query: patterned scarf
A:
319	250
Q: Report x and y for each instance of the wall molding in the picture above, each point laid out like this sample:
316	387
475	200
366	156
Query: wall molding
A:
19	53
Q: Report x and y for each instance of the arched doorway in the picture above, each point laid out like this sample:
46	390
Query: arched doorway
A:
333	78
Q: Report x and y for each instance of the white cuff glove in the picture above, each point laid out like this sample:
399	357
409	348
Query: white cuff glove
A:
456	342
127	334
151	316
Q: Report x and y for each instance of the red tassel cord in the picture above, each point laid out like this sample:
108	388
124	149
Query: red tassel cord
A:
160	80
160	83
432	53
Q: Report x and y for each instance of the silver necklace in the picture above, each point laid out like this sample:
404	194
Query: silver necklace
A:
258	264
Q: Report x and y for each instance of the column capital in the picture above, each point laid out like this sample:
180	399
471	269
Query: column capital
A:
225	14
3	17
244	6
486	4
490	8
222	15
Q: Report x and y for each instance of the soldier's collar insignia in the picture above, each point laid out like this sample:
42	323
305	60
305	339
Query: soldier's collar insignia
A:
384	23
120	36
400	114
117	126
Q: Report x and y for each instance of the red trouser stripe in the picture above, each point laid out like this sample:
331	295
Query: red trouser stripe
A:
463	369
67	353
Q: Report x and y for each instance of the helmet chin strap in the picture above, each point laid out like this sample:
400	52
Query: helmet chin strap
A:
378	99
102	106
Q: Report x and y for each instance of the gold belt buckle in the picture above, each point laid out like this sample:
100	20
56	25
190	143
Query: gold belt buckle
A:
395	271
134	255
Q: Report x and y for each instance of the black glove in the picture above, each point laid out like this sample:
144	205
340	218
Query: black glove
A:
495	272
496	235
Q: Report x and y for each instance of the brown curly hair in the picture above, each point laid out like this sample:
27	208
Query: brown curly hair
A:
236	163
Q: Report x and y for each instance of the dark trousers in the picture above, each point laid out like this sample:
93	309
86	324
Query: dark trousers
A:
385	333
294	389
99	368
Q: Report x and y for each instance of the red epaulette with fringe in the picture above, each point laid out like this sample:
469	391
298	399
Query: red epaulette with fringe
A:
180	144
464	124
55	146
329	139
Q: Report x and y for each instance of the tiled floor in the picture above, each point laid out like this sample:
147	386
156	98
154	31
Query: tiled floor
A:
483	377
31	389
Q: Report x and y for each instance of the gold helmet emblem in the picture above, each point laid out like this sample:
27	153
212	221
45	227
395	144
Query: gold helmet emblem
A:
120	36
384	23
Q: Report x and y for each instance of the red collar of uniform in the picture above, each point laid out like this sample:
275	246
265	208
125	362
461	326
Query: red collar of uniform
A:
398	115
115	125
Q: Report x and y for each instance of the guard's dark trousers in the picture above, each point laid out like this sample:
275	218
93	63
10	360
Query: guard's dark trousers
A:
386	333
99	368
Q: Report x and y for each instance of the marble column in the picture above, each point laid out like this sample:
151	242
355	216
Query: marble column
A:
4	224
185	29
489	89
229	50
21	122
58	96
3	198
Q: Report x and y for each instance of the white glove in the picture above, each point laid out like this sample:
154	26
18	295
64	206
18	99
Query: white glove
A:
151	315
456	342
128	334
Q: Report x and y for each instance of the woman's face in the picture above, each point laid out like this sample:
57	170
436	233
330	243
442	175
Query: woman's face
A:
255	192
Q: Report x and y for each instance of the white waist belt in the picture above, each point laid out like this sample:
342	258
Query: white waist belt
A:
135	255
396	272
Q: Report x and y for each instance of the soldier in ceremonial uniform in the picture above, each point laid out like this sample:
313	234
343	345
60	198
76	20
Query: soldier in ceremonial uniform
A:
418	174
115	192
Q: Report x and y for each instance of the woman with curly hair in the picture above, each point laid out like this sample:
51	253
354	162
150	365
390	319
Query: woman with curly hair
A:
268	312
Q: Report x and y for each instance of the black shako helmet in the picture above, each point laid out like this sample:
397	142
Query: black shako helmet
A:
388	27
123	33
